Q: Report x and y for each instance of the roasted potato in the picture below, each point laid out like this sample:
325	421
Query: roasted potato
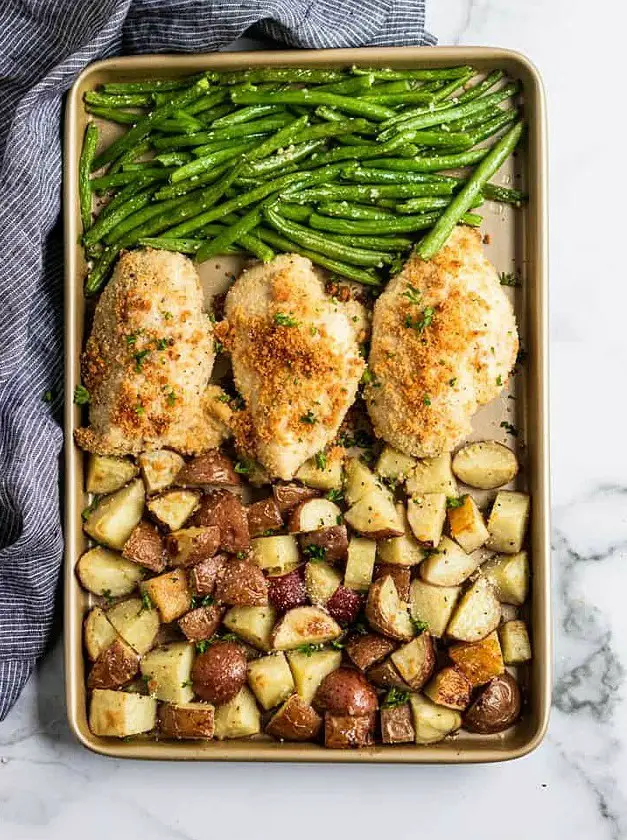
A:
239	718
225	510
385	675
359	481
325	473
401	575
508	522
397	725
106	474
115	516
467	526
119	714
450	688
386	613
186	720
509	575
432	605
116	666
346	692
432	723
169	593
190	546
276	554
415	661
173	508
478	661
496	708
448	565
515	642
264	516
270	679
310	668
321	581
485	464
167	672
304	626
104	572
342	732
432	475
285	592
294	721
218	674
289	496
344	605
313	515
136	622
426	515
360	563
201	623
212	468
98	632
401	551
375	516
253	624
145	547
204	575
330	544
368	650
159	469
393	464
241	584
477	613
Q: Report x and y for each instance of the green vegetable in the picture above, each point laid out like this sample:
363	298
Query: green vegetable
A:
81	395
346	210
88	152
407	224
347	104
230	235
394	698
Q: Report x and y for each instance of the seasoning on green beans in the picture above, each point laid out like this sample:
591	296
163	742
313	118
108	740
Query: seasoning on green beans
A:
88	153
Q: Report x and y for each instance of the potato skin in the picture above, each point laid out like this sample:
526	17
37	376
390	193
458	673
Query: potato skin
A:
385	675
204	576
397	726
401	575
190	545
183	721
334	541
344	605
264	516
496	708
241	584
145	546
220	672
287	591
366	651
295	721
226	511
289	496
201	623
346	692
116	666
212	467
343	732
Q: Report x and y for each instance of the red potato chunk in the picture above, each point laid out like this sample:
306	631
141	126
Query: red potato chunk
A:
287	591
226	511
344	605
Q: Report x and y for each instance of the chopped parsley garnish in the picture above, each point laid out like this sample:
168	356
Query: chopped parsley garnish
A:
161	343
219	347
47	397
186	683
106	594
202	646
418	624
223	398
241	555
499	380
81	395
395	697
139	359
412	294
283	320
368	378
207	601
511	430
90	508
360	628
308	650
337	644
244	467
335	496
309	418
139	409
321	460
315	552
146	602
508	279
455	501
426	399
168	316
452	381
421	324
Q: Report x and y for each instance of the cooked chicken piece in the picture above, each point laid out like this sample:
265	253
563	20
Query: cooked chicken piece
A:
444	341
148	360
296	362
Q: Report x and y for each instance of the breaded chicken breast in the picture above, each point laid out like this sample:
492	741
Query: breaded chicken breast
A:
444	341
296	361
148	360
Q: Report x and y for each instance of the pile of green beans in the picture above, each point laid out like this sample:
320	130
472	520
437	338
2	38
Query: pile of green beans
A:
349	167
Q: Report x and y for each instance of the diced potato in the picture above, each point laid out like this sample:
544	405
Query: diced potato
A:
394	464
252	624
159	468
343	732
432	475
509	574
169	593
479	661
116	666
360	564
375	515
467	525
415	661
276	554
137	624
167	671
433	605
115	516
358	481
397	726
432	723
119	714
104	572
385	675
508	522
327	476
515	642
449	688
304	626
426	515
98	633
186	720
270	679
321	581
478	613
401	551
313	515
386	613
239	718
485	464
174	508
106	474
294	721
448	565
309	669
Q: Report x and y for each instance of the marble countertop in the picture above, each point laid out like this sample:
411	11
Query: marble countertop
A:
574	785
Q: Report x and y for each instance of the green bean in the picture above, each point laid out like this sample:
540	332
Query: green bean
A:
235	132
338	154
431	164
207	102
407	98
508	196
357	106
285	136
407	224
426	74
396	123
183	246
205	178
362	175
473	120
366	192
202	164
346	210
400	86
420	205
105	223
116	115
283	74
331	115
256	247
435	138
383	243
188	123
210	116
484	86
153	86
144	125
141	216
292	154
448	90
125	193
312	178
436	238
173	158
244	115
327	130
121	100
354	85
121	178
239	228
88	153
130	155
490	128
281	243
295	212
100	271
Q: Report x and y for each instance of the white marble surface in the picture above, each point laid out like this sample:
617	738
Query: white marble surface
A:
574	784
